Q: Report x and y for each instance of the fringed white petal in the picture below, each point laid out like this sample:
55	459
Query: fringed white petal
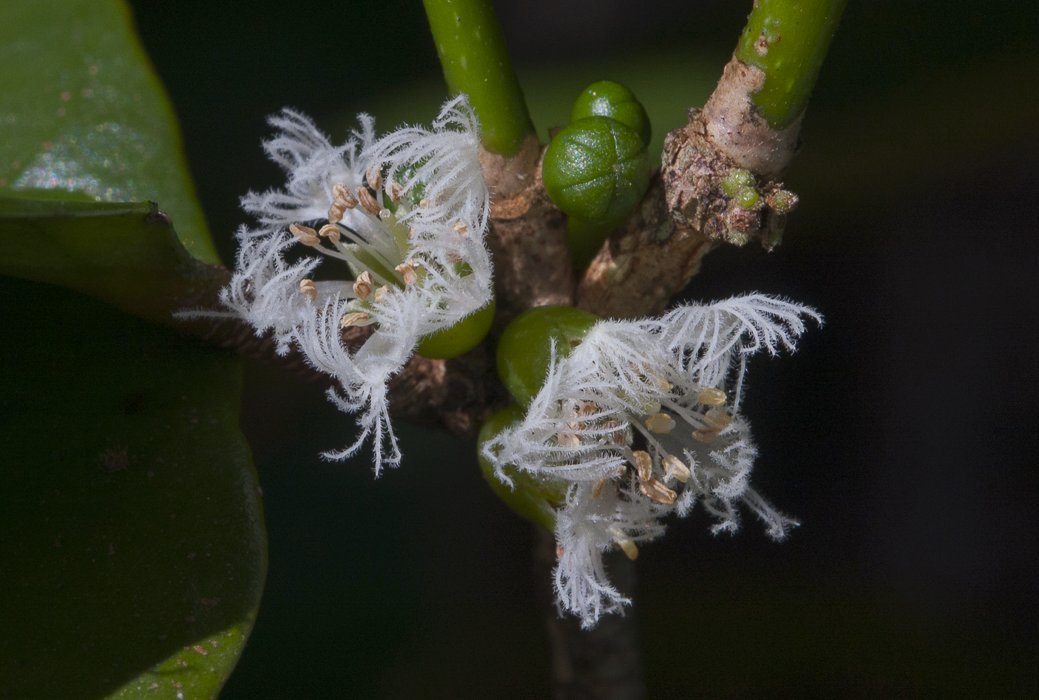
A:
582	424
433	181
588	526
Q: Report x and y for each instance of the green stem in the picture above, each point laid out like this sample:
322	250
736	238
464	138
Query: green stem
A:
788	40
475	60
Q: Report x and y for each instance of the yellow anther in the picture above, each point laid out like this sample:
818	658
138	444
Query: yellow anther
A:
345	198
335	212
625	543
373	175
367	200
643	464
354	318
661	423
657	492
705	435
630	549
308	289
305	234
363	285
711	397
717	418
331	232
675	468
407	272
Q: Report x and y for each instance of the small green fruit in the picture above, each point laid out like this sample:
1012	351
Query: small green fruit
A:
524	349
459	338
596	169
533	498
609	99
747	197
735	180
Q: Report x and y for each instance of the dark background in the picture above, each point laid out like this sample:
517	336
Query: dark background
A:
903	434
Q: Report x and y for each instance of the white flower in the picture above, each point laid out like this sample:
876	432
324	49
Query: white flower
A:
401	219
642	420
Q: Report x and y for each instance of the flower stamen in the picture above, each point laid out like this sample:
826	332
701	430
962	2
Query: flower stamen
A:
658	493
305	235
373	176
625	543
331	231
367	201
643	463
711	397
674	468
705	435
407	272
363	285
661	423
717	418
354	319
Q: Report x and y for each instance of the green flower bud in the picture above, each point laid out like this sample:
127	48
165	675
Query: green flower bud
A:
736	180
533	498
782	202
609	99
596	169
459	338
524	349
747	197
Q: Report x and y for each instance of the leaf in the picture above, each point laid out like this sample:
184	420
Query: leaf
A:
82	112
132	548
124	253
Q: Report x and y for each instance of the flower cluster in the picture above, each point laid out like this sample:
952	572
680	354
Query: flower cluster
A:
403	216
641	420
638	421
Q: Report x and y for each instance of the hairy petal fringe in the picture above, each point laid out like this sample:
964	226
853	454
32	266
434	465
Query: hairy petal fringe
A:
446	228
621	373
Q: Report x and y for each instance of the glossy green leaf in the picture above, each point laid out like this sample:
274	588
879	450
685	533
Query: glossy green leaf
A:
132	547
125	254
82	112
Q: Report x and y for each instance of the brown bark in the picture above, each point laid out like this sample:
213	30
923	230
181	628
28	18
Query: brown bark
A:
738	132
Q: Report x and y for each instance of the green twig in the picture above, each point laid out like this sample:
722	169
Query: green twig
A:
472	52
788	40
